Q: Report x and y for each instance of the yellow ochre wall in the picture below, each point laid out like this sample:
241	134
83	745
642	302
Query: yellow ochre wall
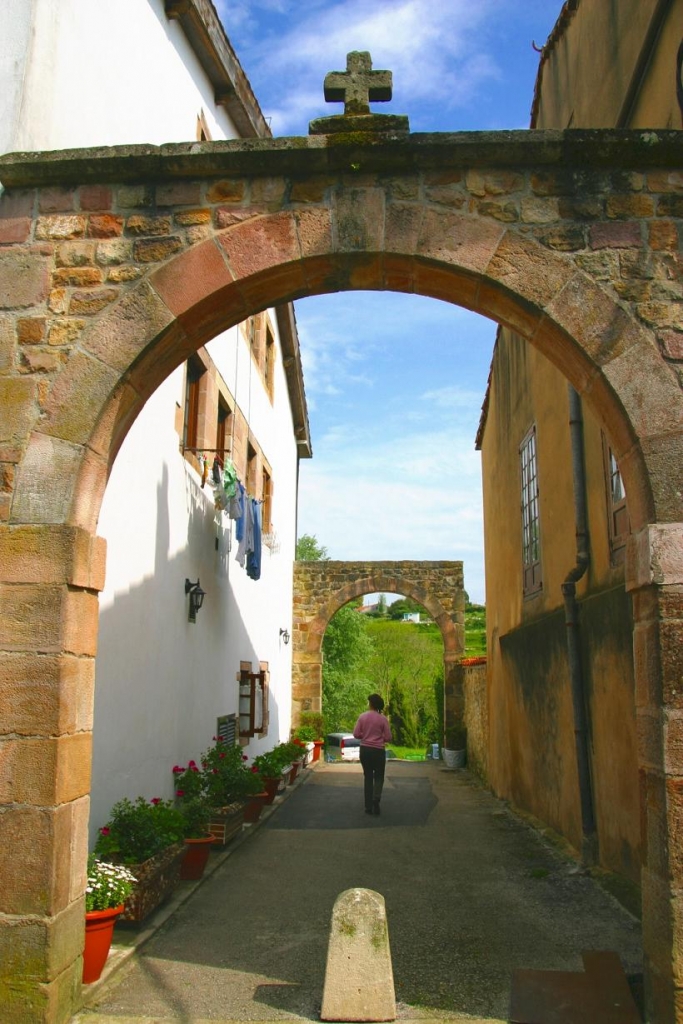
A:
608	63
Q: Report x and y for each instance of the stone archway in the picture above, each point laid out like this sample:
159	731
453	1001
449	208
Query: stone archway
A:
322	588
209	234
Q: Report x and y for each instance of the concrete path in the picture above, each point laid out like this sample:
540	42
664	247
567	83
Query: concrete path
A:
471	894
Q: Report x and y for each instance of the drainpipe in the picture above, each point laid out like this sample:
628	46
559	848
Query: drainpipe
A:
571	615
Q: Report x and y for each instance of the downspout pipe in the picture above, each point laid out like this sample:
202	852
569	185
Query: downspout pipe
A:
571	615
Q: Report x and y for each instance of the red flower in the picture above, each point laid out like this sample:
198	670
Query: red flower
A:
244	757
104	831
180	792
191	764
177	770
155	800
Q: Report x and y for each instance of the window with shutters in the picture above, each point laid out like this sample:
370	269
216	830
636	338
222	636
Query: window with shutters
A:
617	512
253	700
531	539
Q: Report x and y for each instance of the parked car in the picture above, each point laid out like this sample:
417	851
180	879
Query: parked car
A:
342	746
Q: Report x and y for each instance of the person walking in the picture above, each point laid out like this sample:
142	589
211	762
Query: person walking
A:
372	729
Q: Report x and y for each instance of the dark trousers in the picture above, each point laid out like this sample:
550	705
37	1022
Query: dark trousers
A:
373	761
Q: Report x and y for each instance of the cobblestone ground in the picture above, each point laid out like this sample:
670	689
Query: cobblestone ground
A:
471	894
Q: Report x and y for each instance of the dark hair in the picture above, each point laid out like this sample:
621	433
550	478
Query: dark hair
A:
375	702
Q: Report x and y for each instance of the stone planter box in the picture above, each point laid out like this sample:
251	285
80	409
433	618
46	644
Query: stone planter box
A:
156	880
226	823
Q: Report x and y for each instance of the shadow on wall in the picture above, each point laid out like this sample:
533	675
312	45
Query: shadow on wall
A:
162	682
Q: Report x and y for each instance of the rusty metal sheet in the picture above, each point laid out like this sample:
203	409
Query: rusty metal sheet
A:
601	995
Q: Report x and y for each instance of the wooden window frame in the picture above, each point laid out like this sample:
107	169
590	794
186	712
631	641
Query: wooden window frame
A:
224	416
194	372
250	683
530	512
269	363
267	501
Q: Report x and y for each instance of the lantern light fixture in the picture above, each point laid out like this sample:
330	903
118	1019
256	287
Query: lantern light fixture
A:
284	633
197	596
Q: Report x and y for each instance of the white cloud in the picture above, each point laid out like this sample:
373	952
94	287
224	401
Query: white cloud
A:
437	52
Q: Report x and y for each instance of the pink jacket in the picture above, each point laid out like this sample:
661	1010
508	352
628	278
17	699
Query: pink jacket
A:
372	729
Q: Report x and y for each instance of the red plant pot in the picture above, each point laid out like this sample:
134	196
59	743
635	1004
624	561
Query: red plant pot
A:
271	788
254	806
196	856
294	772
319	744
99	931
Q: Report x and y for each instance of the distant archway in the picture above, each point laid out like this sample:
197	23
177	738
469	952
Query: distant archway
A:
322	588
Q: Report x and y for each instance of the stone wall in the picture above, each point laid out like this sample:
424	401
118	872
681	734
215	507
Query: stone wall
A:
322	588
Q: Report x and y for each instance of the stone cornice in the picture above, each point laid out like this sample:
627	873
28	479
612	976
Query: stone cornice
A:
364	153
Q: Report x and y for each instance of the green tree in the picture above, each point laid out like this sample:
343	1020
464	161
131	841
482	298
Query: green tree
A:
405	605
346	649
308	549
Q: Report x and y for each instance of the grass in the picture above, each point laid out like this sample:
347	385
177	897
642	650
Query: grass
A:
408	753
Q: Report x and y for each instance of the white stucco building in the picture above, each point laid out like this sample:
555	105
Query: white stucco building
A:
81	73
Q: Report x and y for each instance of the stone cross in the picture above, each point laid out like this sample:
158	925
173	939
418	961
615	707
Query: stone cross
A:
359	85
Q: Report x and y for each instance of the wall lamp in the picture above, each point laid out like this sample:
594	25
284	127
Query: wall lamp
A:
285	636
196	598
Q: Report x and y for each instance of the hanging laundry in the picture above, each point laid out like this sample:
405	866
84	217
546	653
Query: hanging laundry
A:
236	506
220	499
205	469
229	478
254	556
246	541
216	471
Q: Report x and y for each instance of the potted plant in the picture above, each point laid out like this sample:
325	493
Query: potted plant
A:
109	885
313	721
146	836
196	811
270	767
223	779
304	737
455	746
290	756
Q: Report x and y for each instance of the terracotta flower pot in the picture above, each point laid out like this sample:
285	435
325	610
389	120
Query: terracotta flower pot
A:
99	931
318	746
196	857
271	786
296	765
254	807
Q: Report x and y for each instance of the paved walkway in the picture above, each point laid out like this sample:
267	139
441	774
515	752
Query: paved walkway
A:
471	894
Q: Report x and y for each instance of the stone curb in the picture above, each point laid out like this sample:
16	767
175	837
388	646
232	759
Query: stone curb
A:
126	945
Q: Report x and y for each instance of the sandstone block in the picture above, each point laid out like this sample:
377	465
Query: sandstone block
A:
88	303
153	250
228	191
53	228
105	225
42	693
24	279
95	197
179	193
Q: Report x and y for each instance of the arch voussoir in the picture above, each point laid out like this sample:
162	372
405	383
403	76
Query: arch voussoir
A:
261	243
527	269
459	240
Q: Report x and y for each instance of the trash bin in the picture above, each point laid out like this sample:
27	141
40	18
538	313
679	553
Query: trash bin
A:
435	751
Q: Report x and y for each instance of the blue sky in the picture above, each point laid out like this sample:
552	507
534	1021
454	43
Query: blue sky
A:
394	382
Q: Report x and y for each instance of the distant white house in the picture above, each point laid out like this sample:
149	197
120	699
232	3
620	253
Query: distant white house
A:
410	617
79	73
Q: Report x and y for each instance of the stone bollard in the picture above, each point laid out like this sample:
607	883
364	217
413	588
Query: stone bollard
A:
359	980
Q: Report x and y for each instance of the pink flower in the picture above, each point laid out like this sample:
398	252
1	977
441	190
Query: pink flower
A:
177	770
155	800
104	831
191	764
